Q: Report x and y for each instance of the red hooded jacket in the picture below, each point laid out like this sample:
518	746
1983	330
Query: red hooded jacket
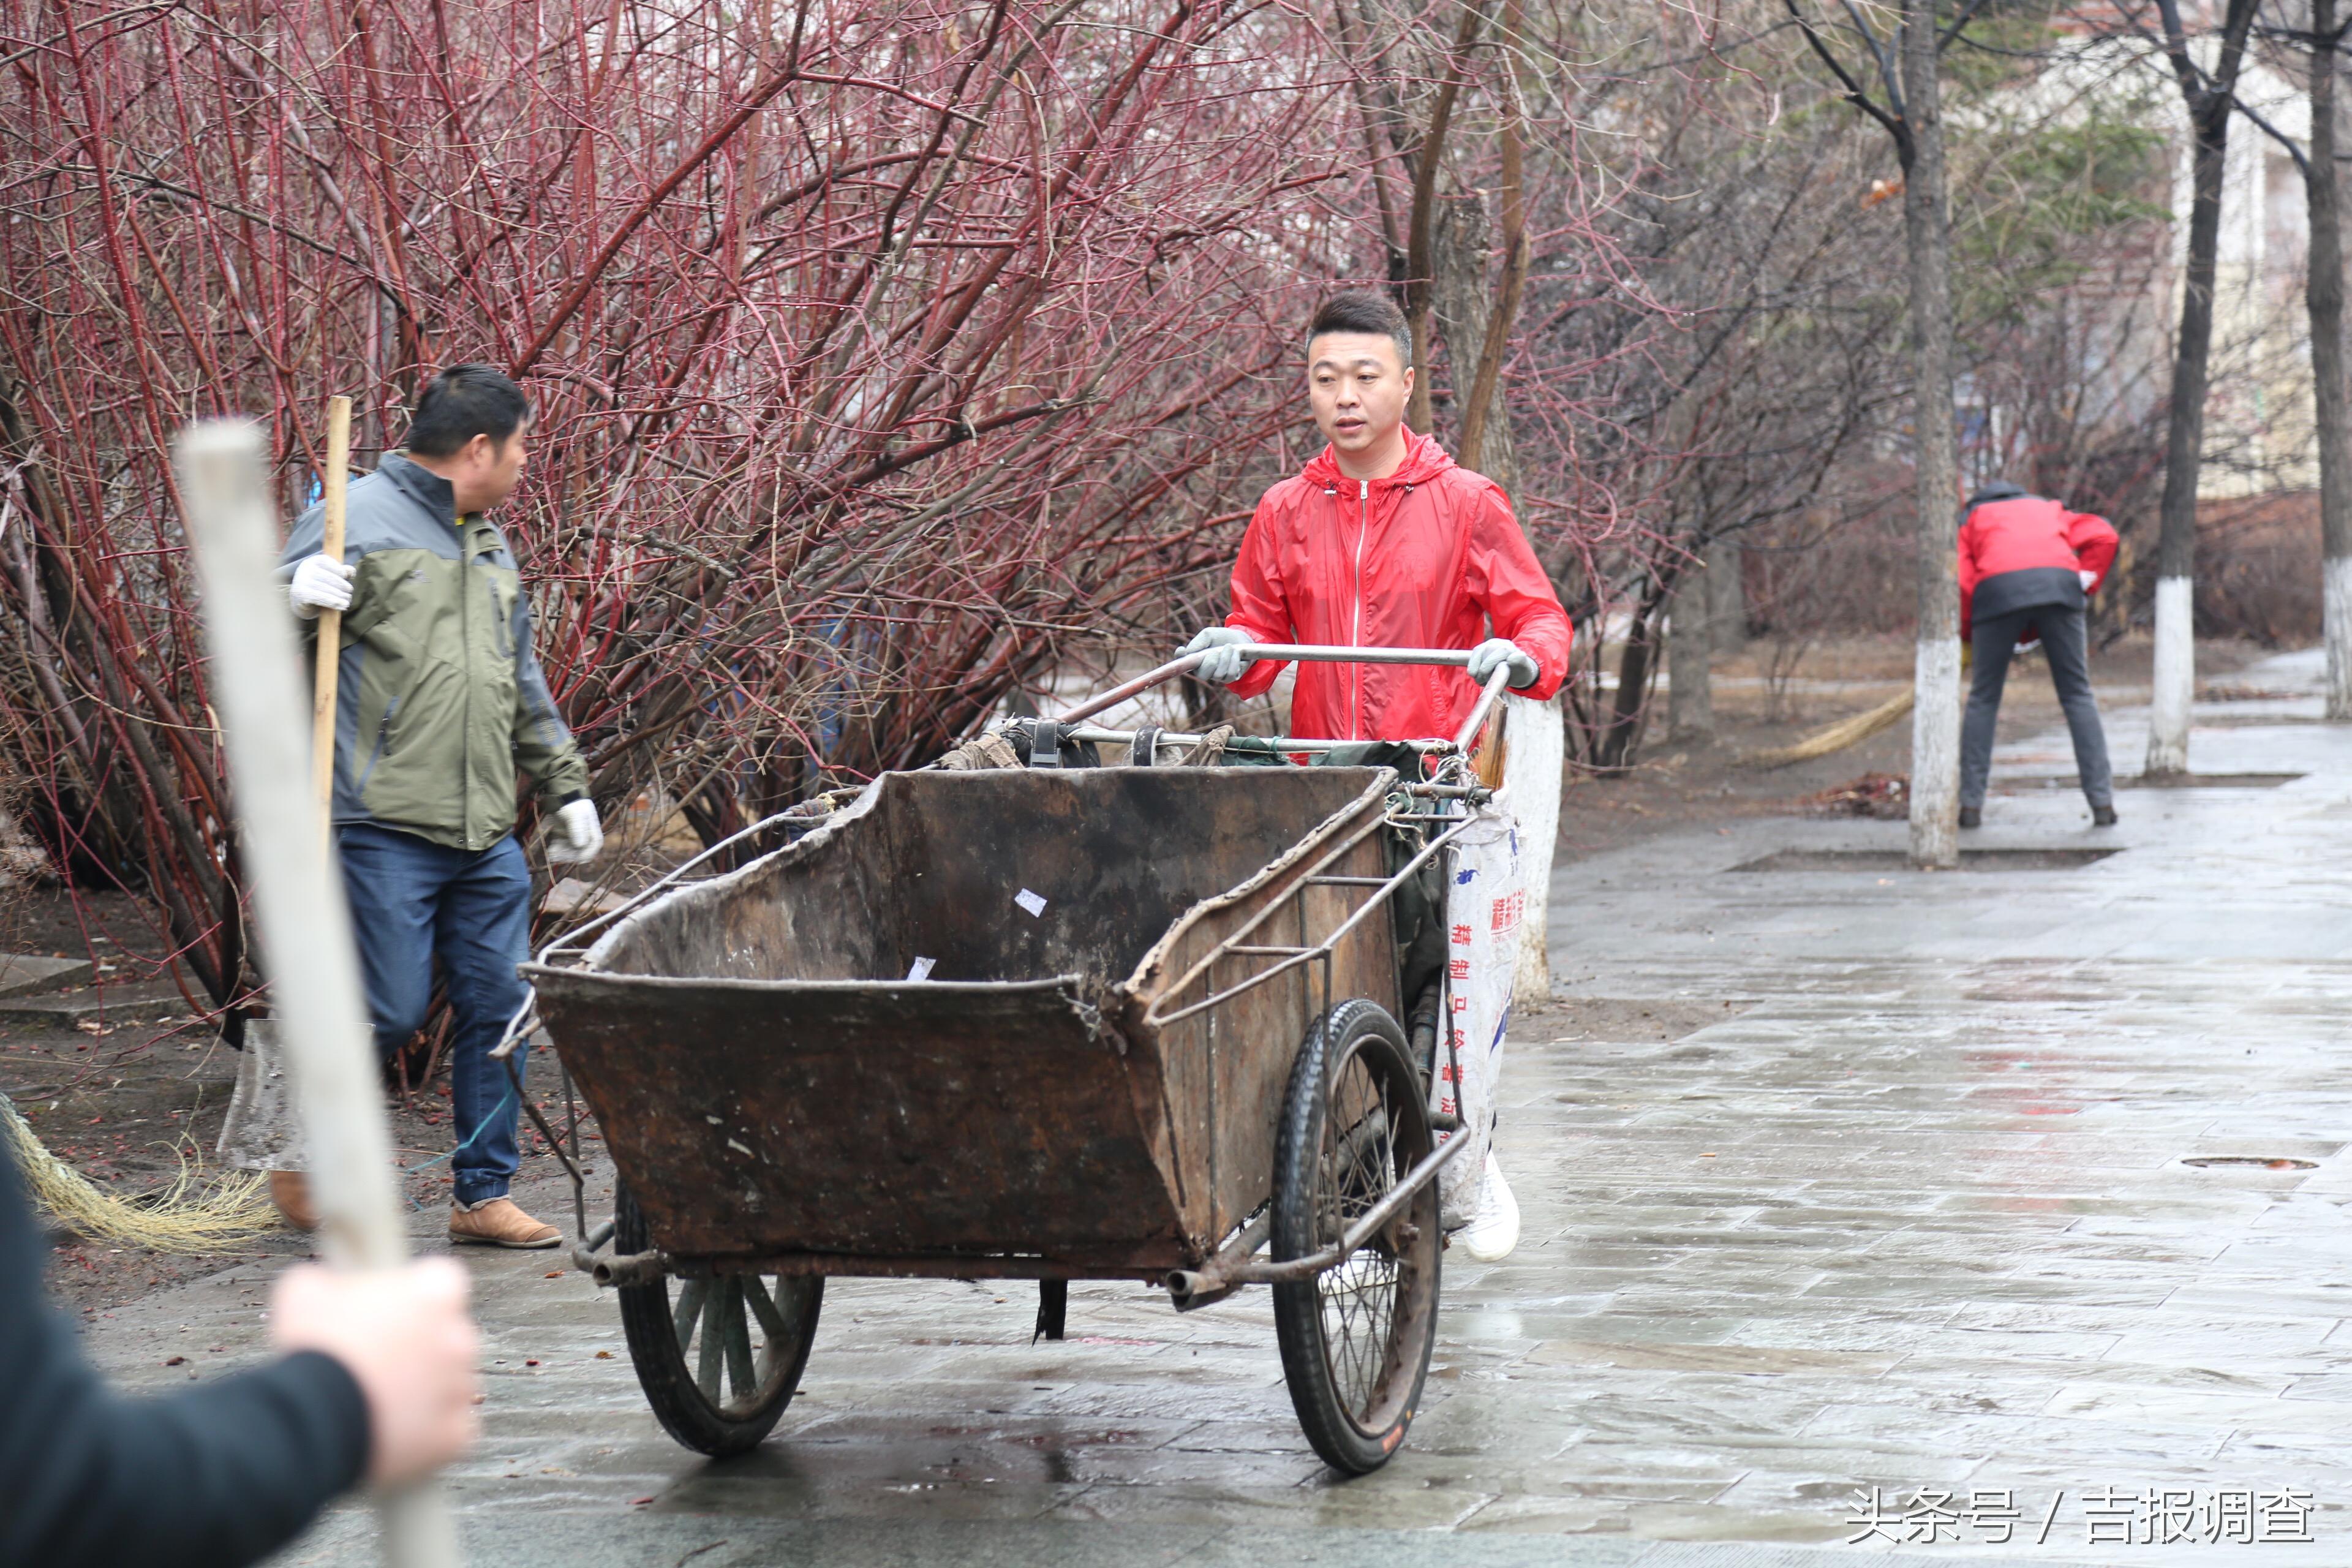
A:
1426	558
2024	551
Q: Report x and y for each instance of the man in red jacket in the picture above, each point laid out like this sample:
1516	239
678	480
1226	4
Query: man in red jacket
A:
1384	542
2029	564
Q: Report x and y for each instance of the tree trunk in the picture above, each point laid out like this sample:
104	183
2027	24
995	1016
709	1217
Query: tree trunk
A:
1477	322
1690	688
1726	598
1428	154
1535	759
1622	738
2184	443
1927	227
1461	254
2323	190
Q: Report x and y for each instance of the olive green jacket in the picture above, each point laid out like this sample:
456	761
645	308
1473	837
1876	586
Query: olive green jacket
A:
440	699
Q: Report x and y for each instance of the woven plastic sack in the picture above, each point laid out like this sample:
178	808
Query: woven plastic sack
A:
1484	906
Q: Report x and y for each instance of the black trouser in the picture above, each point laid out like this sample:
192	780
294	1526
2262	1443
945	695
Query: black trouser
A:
2064	642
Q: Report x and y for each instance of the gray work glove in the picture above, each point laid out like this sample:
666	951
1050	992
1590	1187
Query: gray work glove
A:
1496	652
1225	662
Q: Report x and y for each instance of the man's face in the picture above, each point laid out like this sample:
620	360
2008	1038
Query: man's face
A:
1359	388
489	470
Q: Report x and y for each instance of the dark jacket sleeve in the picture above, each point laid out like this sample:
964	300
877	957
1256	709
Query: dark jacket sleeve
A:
222	1474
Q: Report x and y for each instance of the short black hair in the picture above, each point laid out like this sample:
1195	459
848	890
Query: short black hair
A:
461	403
1364	311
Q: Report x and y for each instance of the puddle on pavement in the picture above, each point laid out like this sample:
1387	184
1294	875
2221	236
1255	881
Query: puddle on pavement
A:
1897	860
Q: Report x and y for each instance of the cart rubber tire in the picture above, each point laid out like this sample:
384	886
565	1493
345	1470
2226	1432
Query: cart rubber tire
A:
703	1422
1355	1340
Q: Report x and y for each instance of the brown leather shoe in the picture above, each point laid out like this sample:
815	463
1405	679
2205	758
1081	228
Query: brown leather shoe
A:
290	1191
497	1222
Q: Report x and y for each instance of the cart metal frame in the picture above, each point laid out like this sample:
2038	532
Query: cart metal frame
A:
1231	1267
1328	865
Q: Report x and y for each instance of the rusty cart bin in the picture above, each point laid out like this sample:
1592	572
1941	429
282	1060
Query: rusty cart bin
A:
1045	1022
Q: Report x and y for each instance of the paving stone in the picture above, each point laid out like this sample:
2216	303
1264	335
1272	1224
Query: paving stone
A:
98	1004
24	973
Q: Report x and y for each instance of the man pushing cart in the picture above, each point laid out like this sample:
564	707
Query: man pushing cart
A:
1383	540
1021	1015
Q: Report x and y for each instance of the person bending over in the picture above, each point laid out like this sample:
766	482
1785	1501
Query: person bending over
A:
2028	565
1383	540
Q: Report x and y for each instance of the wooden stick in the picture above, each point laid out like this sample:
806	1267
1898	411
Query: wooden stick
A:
334	483
305	925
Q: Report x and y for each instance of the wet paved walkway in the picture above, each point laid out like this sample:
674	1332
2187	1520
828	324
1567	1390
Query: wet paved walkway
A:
1833	1180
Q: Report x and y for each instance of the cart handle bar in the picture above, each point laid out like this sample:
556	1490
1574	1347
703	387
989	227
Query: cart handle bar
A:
1306	653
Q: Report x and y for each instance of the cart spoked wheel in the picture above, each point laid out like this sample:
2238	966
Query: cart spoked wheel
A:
1356	1338
719	1357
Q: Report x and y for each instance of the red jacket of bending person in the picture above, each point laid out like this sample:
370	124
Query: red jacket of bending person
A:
2018	552
1424	558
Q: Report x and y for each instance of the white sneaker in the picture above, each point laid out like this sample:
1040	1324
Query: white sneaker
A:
1494	1231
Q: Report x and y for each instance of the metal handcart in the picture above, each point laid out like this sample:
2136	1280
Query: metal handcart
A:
1043	1022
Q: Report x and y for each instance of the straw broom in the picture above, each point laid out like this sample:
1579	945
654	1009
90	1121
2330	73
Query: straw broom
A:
1836	737
180	1218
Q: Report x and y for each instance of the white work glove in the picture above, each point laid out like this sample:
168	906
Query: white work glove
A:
319	584
577	834
2089	580
1496	652
1224	664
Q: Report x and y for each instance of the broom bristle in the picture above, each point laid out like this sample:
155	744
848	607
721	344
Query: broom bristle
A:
183	1218
1837	737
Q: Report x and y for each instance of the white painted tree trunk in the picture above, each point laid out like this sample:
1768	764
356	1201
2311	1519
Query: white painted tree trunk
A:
2175	677
2323	184
1928	237
2337	578
1935	752
1534	763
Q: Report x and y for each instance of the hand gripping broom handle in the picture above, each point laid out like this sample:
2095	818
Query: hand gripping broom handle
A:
305	936
334	483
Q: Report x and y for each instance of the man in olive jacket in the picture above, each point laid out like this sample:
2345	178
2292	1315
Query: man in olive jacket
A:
439	704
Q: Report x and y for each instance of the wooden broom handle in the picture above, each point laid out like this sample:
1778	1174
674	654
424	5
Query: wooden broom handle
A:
334	484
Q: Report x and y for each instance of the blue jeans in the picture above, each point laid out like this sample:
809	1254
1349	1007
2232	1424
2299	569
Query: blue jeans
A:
414	901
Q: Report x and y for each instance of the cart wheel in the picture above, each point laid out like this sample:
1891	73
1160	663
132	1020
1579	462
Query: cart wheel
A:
1356	1338
720	1357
